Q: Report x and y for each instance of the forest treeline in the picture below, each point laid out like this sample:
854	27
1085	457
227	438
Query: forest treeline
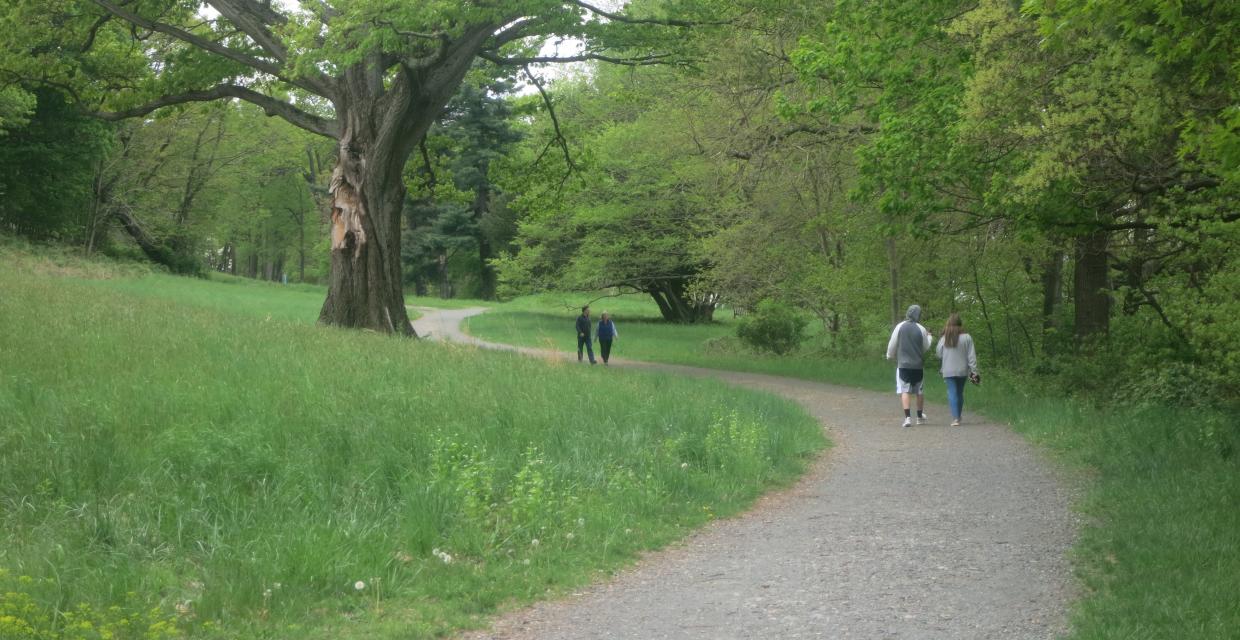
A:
1063	174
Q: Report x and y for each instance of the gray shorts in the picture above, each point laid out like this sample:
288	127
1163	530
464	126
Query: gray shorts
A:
916	386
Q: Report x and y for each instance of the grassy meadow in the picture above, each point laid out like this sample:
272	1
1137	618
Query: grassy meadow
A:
1159	551
256	298
191	458
546	320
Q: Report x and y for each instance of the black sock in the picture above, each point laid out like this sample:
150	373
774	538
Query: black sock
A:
920	414
906	413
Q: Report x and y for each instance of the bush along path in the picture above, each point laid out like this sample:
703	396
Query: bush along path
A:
929	532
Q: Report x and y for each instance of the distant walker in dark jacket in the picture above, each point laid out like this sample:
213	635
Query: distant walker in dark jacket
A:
606	333
583	334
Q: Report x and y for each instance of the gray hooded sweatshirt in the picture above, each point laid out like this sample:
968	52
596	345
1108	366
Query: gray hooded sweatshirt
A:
909	341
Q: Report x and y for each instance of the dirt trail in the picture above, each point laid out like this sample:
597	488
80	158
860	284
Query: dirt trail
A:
928	532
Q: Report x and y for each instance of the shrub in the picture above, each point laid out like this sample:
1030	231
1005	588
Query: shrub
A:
773	327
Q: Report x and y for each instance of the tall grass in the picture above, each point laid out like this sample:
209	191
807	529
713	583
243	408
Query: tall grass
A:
1159	551
169	468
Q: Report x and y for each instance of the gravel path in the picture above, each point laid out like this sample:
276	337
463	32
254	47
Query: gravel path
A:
929	532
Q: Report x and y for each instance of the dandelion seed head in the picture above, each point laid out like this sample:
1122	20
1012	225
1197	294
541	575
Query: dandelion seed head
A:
534	542
684	465
359	585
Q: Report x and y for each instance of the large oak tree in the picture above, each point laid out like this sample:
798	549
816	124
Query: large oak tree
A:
371	74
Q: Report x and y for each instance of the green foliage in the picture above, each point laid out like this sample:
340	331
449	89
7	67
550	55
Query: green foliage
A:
16	106
632	214
22	618
736	445
46	169
457	215
1192	47
773	327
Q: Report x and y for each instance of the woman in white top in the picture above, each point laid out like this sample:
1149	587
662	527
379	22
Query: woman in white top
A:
959	358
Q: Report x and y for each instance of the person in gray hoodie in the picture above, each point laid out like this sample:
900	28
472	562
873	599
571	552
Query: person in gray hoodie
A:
908	346
959	358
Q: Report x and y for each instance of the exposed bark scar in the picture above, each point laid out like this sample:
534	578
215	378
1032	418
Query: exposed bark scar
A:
348	207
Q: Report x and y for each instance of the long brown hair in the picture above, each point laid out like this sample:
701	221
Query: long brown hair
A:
952	330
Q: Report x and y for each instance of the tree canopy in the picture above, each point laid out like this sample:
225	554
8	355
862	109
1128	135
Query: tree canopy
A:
1063	174
371	74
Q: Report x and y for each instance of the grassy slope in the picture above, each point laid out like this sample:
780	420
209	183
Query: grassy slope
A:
249	473
1159	556
267	300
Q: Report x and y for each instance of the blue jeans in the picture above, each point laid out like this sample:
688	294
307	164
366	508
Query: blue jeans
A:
588	344
955	394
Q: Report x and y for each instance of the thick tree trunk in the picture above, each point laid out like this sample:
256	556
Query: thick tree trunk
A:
893	268
301	253
489	283
445	280
383	116
676	307
154	250
1052	288
364	288
486	273
228	259
1092	287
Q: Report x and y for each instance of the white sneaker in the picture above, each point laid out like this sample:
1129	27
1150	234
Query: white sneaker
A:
955	423
908	422
923	418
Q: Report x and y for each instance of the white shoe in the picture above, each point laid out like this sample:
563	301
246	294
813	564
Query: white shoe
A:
908	422
923	418
955	423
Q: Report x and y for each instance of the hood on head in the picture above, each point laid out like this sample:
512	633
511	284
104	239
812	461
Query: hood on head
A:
914	313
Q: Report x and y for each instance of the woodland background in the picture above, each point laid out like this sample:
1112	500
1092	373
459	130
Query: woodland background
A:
1063	174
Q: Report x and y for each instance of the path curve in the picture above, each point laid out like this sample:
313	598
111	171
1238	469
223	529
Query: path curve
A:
929	532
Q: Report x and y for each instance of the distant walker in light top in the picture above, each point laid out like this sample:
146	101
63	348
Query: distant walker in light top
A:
606	334
583	334
959	358
908	346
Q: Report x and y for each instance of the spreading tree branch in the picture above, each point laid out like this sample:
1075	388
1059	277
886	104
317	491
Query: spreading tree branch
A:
189	38
667	22
512	31
314	85
271	106
832	133
555	123
639	61
253	18
94	31
1191	185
